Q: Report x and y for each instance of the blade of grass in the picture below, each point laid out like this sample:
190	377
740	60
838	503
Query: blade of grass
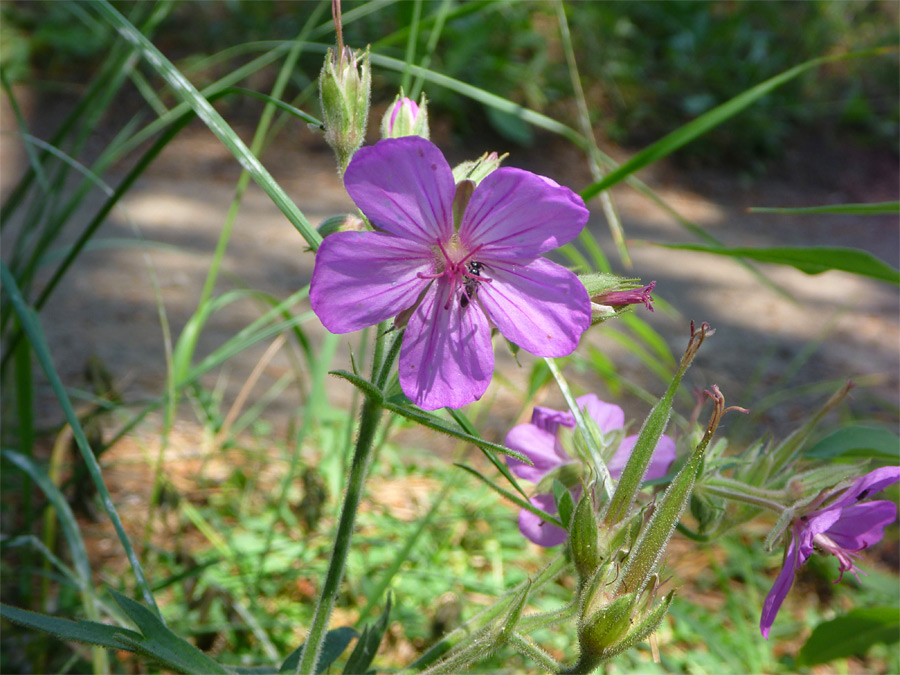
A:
188	93
721	113
874	209
584	121
35	336
515	499
99	93
411	43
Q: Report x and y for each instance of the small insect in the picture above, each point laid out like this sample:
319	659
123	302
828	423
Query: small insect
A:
470	285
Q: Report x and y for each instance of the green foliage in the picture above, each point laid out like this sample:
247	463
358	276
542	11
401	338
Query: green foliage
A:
851	635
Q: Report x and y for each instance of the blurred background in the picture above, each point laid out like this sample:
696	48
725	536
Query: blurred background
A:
235	553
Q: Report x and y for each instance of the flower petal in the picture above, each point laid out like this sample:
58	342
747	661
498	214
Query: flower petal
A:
446	359
361	278
538	530
539	446
540	306
862	525
405	187
518	214
870	484
608	416
663	456
550	419
780	588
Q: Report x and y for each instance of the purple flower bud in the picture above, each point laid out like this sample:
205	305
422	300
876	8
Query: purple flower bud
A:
405	118
634	296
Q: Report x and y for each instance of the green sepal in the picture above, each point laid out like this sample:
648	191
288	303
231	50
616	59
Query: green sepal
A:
565	505
584	539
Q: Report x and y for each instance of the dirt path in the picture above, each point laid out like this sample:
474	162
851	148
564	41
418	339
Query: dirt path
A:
107	306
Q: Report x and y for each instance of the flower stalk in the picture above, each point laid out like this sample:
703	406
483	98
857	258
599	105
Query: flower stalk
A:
656	422
362	456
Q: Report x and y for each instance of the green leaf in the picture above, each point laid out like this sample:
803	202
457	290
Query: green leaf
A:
469	428
565	505
515	499
161	643
707	121
335	643
366	387
878	208
812	260
32	328
851	635
79	630
858	441
63	512
424	418
365	650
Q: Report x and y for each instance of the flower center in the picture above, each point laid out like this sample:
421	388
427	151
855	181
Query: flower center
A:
458	268
827	544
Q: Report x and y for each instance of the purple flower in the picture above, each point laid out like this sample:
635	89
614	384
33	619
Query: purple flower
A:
842	528
452	281
635	296
539	441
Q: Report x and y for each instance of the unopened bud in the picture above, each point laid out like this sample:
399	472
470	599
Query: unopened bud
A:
345	223
584	539
479	169
344	86
405	118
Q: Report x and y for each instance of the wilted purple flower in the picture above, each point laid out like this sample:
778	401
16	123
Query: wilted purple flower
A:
842	528
452	281
634	296
539	441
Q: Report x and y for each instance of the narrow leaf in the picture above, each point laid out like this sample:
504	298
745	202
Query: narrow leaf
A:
63	512
32	328
335	643
365	650
467	426
858	441
812	260
188	93
878	208
162	643
89	632
515	499
709	120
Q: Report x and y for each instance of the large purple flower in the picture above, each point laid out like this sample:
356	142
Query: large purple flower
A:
842	528
539	441
453	280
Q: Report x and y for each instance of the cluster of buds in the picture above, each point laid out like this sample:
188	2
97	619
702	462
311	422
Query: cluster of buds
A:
618	552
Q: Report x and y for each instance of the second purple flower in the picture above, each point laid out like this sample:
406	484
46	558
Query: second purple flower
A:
452	279
539	441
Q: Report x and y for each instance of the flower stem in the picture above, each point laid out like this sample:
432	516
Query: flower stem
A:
525	645
362	455
738	492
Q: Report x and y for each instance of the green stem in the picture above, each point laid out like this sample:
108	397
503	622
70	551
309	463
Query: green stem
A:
525	645
471	630
745	497
371	415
